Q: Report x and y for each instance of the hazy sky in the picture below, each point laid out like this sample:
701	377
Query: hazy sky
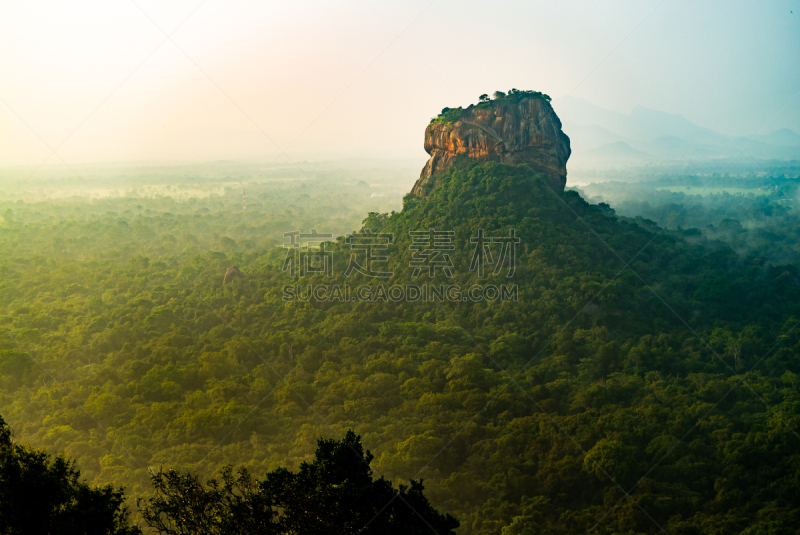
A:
362	77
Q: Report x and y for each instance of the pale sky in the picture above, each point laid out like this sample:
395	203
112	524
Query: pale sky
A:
246	80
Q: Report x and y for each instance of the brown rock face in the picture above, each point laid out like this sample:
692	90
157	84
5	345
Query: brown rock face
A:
231	274
507	131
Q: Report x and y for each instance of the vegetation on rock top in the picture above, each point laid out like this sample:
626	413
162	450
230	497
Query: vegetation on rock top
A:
451	115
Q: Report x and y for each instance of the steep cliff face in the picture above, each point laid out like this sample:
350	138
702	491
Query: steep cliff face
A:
509	131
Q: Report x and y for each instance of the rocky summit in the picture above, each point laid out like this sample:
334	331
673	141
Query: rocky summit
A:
517	128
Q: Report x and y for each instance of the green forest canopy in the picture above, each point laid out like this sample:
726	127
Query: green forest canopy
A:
633	360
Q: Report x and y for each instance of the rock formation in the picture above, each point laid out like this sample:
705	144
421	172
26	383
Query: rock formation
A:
231	274
509	130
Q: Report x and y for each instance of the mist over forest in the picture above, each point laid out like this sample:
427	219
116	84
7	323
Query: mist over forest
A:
748	205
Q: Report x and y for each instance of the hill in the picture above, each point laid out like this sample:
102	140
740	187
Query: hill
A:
616	152
663	136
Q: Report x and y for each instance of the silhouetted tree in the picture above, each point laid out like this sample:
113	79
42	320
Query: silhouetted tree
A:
334	494
42	494
184	506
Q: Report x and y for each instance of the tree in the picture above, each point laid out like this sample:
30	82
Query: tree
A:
183	506
44	494
484	98
335	494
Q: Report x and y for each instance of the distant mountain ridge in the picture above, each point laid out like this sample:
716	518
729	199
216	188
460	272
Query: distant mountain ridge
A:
656	136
